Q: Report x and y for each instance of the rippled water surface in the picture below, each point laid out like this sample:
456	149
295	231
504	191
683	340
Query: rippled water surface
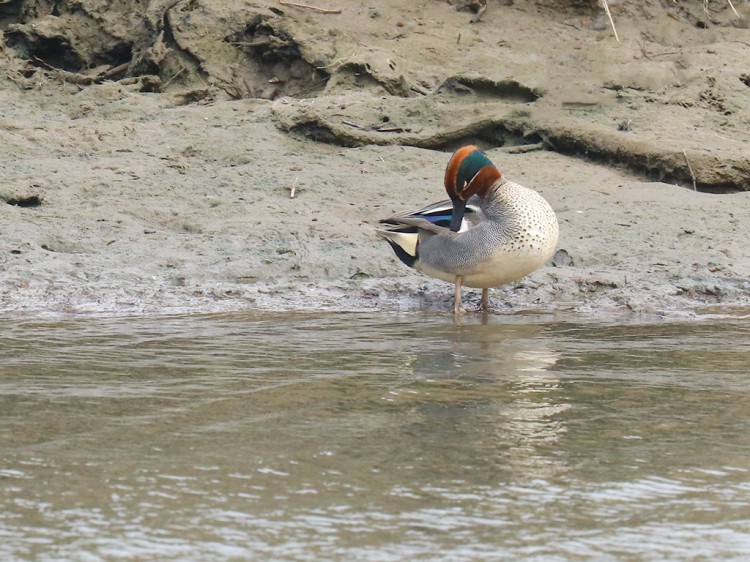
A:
374	437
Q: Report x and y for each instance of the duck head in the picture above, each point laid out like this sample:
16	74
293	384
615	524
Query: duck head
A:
469	172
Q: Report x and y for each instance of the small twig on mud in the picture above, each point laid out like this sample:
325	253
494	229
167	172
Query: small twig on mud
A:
113	72
650	55
353	125
391	130
391	155
546	141
705	7
293	189
262	42
64	75
175	75
732	6
690	169
524	148
308	7
340	60
611	21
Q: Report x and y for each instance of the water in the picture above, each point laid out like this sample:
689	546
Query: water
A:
374	437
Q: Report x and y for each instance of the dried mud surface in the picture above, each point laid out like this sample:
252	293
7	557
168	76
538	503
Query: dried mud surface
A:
150	148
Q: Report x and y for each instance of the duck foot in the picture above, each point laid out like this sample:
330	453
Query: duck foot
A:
457	297
484	304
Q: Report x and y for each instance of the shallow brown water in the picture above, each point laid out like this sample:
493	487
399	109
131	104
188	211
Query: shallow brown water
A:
374	437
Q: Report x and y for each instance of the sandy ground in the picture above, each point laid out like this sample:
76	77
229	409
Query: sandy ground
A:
162	184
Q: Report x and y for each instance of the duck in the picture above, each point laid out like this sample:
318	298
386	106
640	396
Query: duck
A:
490	232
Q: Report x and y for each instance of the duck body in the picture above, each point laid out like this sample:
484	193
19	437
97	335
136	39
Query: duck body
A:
498	234
515	233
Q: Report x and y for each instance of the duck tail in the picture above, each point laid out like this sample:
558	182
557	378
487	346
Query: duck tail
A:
404	241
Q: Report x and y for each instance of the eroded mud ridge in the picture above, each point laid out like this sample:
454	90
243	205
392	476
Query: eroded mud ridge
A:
670	102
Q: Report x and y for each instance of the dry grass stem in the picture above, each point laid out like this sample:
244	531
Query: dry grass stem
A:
705	7
293	190
690	169
605	5
308	7
611	21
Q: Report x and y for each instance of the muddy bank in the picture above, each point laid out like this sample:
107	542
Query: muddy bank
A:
150	168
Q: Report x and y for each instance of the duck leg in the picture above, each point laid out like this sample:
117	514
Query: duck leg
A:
484	304
457	296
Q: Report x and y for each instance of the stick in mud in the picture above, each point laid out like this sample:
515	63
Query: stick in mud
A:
690	169
308	7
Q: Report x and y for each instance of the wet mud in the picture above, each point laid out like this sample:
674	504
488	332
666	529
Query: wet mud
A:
151	148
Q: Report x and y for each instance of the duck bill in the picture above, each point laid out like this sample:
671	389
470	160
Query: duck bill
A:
459	208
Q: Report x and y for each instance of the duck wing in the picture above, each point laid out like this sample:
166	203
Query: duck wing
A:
437	216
